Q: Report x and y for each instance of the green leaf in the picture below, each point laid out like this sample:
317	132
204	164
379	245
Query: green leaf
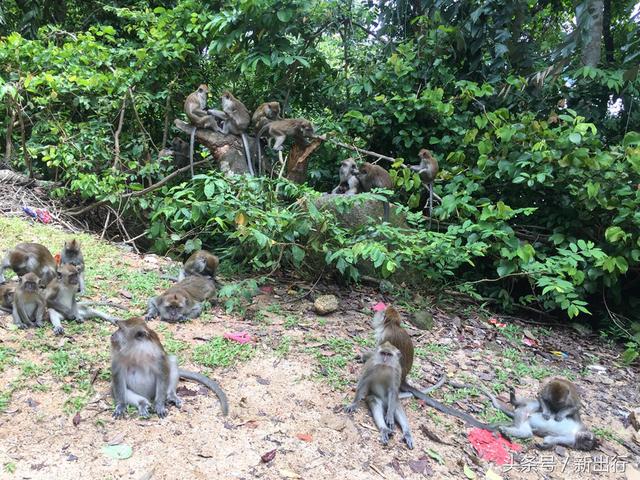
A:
284	15
435	455
470	474
118	452
575	138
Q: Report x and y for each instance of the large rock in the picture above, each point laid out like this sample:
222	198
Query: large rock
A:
354	211
325	304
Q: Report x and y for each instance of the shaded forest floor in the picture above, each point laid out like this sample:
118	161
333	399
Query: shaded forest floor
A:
286	390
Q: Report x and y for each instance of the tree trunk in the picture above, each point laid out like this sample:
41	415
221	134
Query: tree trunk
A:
589	15
227	150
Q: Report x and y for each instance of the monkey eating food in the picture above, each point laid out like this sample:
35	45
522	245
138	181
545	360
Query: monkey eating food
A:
182	301
30	257
72	254
142	374
379	383
28	305
349	183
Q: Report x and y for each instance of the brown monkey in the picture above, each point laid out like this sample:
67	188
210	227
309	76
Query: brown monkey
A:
427	169
374	176
72	254
7	291
30	257
388	329
182	301
235	120
379	383
529	420
143	374
297	128
195	106
200	262
265	113
349	183
60	296
28	305
559	397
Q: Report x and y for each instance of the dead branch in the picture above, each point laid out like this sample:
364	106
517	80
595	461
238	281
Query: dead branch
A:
138	193
116	135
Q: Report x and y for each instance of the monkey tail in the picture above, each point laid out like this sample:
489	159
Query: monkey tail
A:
210	384
430	203
385	211
405	387
258	136
191	142
247	152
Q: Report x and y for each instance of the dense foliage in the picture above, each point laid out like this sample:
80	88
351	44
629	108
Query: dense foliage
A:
532	116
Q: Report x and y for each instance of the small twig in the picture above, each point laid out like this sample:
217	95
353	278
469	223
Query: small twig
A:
135	112
310	290
356	149
106	224
116	135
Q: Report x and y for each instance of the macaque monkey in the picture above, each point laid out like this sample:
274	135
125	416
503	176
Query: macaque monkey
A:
265	113
200	262
60	296
72	255
235	120
195	106
379	383
559	397
142	374
387	328
374	176
7	291
28	305
427	170
349	183
297	128
529	420
182	301
179	150
30	257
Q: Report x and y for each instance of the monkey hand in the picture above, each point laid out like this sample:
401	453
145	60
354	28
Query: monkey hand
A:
118	412
143	410
351	408
385	433
161	410
409	439
390	421
175	399
546	416
58	330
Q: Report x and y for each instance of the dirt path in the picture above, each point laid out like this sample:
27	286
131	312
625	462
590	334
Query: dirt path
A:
286	391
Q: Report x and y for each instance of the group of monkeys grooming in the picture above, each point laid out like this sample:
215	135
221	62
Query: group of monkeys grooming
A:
234	119
554	414
144	376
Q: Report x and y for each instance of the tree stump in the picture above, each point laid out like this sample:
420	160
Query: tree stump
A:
226	150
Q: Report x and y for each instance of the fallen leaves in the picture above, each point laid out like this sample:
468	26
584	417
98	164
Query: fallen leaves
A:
118	452
269	456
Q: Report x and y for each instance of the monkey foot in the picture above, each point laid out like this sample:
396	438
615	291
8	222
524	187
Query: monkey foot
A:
161	410
118	412
409	440
350	408
58	330
385	434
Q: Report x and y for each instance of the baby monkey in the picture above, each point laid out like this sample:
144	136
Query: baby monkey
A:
349	183
427	170
529	420
72	254
265	113
142	374
559	397
29	307
7	291
379	383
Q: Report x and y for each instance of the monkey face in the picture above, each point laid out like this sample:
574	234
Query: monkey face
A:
387	353
203	88
586	440
29	282
130	331
172	309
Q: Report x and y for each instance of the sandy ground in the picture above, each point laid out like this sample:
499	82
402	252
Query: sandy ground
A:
282	403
